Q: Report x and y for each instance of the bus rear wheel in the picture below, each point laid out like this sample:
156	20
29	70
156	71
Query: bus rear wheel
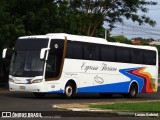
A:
39	95
132	91
69	90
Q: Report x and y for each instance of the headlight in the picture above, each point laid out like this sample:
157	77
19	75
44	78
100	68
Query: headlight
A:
37	81
11	80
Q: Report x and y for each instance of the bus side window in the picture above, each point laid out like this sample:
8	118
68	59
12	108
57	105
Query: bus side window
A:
87	51
137	56
91	52
150	57
123	54
108	53
95	52
74	50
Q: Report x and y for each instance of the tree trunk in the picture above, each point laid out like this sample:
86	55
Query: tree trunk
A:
89	28
95	27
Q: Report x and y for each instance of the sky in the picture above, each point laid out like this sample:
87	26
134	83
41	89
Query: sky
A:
131	30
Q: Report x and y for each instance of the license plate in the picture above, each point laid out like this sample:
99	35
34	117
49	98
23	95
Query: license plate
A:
22	87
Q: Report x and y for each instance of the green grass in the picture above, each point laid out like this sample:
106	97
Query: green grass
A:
159	80
140	106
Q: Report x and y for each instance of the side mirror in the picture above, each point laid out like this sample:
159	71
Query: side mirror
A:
43	52
4	53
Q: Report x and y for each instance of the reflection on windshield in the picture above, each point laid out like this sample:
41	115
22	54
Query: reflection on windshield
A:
27	64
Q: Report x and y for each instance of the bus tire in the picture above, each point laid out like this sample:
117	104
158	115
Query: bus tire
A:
69	90
106	95
132	91
39	95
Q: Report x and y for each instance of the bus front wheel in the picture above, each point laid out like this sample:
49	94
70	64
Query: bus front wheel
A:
69	90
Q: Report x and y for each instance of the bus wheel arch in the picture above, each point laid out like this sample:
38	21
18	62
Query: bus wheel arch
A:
70	89
133	90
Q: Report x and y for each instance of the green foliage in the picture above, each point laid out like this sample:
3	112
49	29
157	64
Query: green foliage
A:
121	39
95	12
111	39
140	107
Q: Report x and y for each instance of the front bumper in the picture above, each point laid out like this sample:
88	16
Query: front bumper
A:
36	87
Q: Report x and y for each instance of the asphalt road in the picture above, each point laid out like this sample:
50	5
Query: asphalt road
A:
22	101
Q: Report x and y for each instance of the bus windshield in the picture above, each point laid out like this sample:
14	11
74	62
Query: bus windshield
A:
26	64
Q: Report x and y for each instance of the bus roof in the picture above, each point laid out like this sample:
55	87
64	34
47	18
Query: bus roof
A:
87	39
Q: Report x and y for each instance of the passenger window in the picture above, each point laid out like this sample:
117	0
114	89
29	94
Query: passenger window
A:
137	56
74	50
150	57
91	52
108	53
123	54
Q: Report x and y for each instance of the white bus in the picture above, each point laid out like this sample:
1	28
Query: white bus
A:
68	64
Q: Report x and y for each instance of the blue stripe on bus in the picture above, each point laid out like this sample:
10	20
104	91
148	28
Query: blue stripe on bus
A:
122	87
116	87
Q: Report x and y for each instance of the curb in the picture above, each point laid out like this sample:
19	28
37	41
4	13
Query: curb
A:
111	112
79	109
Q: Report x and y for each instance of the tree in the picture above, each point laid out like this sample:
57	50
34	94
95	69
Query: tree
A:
92	13
121	39
26	17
